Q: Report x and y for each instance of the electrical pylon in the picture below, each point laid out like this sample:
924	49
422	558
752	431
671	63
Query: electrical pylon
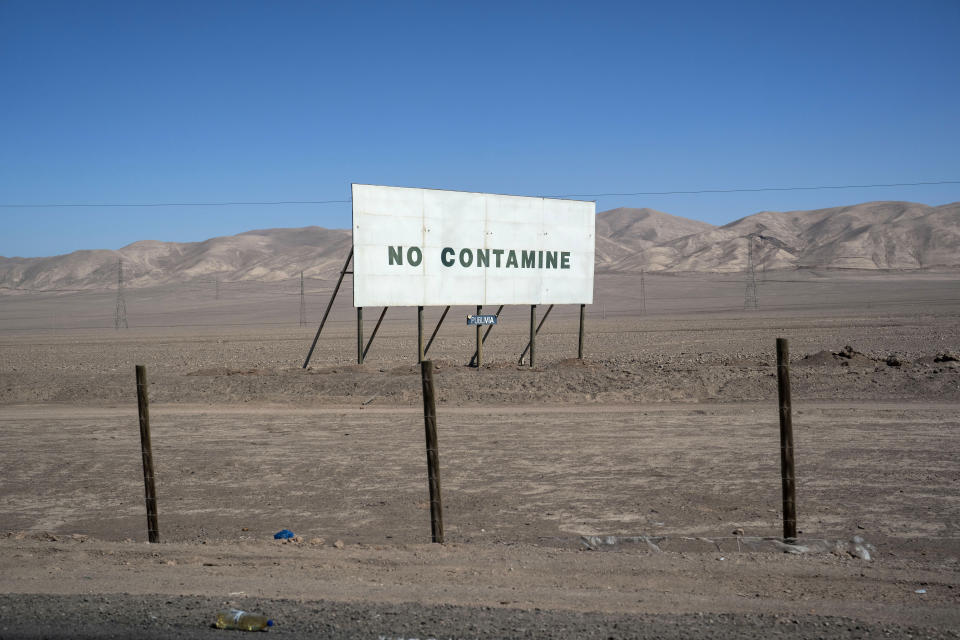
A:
643	294
750	295
120	314
303	304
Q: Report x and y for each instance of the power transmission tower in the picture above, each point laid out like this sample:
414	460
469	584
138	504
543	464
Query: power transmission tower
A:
643	295
120	314
303	304
216	284
750	296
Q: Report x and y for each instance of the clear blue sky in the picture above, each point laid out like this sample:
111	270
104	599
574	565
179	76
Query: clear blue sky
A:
139	102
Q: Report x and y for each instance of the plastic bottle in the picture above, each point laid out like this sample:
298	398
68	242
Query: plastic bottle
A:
237	619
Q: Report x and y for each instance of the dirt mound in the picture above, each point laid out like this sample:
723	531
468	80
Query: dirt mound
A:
846	357
224	371
819	359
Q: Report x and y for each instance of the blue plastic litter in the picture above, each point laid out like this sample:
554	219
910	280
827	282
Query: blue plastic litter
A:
283	535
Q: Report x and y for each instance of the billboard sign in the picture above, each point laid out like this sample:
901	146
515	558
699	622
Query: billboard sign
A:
427	247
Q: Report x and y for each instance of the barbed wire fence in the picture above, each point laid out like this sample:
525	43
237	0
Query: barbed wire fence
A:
652	485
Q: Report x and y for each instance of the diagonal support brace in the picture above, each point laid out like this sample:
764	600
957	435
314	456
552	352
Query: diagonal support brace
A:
333	297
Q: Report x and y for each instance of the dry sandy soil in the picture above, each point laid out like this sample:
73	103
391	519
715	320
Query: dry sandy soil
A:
667	430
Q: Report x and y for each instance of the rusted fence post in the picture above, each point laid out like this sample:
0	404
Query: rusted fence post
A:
433	451
787	472
146	450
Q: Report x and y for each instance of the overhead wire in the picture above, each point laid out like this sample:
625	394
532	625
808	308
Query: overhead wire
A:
758	189
166	204
573	195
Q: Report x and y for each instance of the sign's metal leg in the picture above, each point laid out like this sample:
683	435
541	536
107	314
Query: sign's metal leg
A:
486	334
434	334
420	350
359	335
533	332
479	340
374	334
580	341
333	297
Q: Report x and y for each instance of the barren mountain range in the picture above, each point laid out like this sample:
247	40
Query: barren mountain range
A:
871	236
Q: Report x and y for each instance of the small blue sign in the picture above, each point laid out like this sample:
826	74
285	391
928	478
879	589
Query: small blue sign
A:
474	321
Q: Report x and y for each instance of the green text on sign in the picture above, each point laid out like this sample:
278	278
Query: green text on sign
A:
489	258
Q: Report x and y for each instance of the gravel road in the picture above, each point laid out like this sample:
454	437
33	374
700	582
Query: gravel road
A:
102	617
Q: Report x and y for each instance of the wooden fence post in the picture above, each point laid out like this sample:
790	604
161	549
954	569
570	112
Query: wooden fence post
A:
787	472
433	452
146	450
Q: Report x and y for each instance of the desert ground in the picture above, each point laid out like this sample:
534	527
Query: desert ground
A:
633	494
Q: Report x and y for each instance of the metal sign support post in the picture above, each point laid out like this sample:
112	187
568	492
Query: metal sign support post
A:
486	334
420	350
374	334
333	297
359	335
533	332
434	334
580	341
479	340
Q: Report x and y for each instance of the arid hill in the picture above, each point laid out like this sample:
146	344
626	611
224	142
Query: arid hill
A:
622	232
268	255
875	235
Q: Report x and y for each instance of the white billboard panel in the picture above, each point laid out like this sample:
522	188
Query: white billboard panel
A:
426	247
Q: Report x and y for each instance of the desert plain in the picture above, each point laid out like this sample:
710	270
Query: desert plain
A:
663	441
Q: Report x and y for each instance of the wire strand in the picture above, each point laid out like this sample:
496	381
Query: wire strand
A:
569	195
170	204
757	189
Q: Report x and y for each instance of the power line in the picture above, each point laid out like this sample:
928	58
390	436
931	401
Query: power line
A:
166	204
757	189
571	195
